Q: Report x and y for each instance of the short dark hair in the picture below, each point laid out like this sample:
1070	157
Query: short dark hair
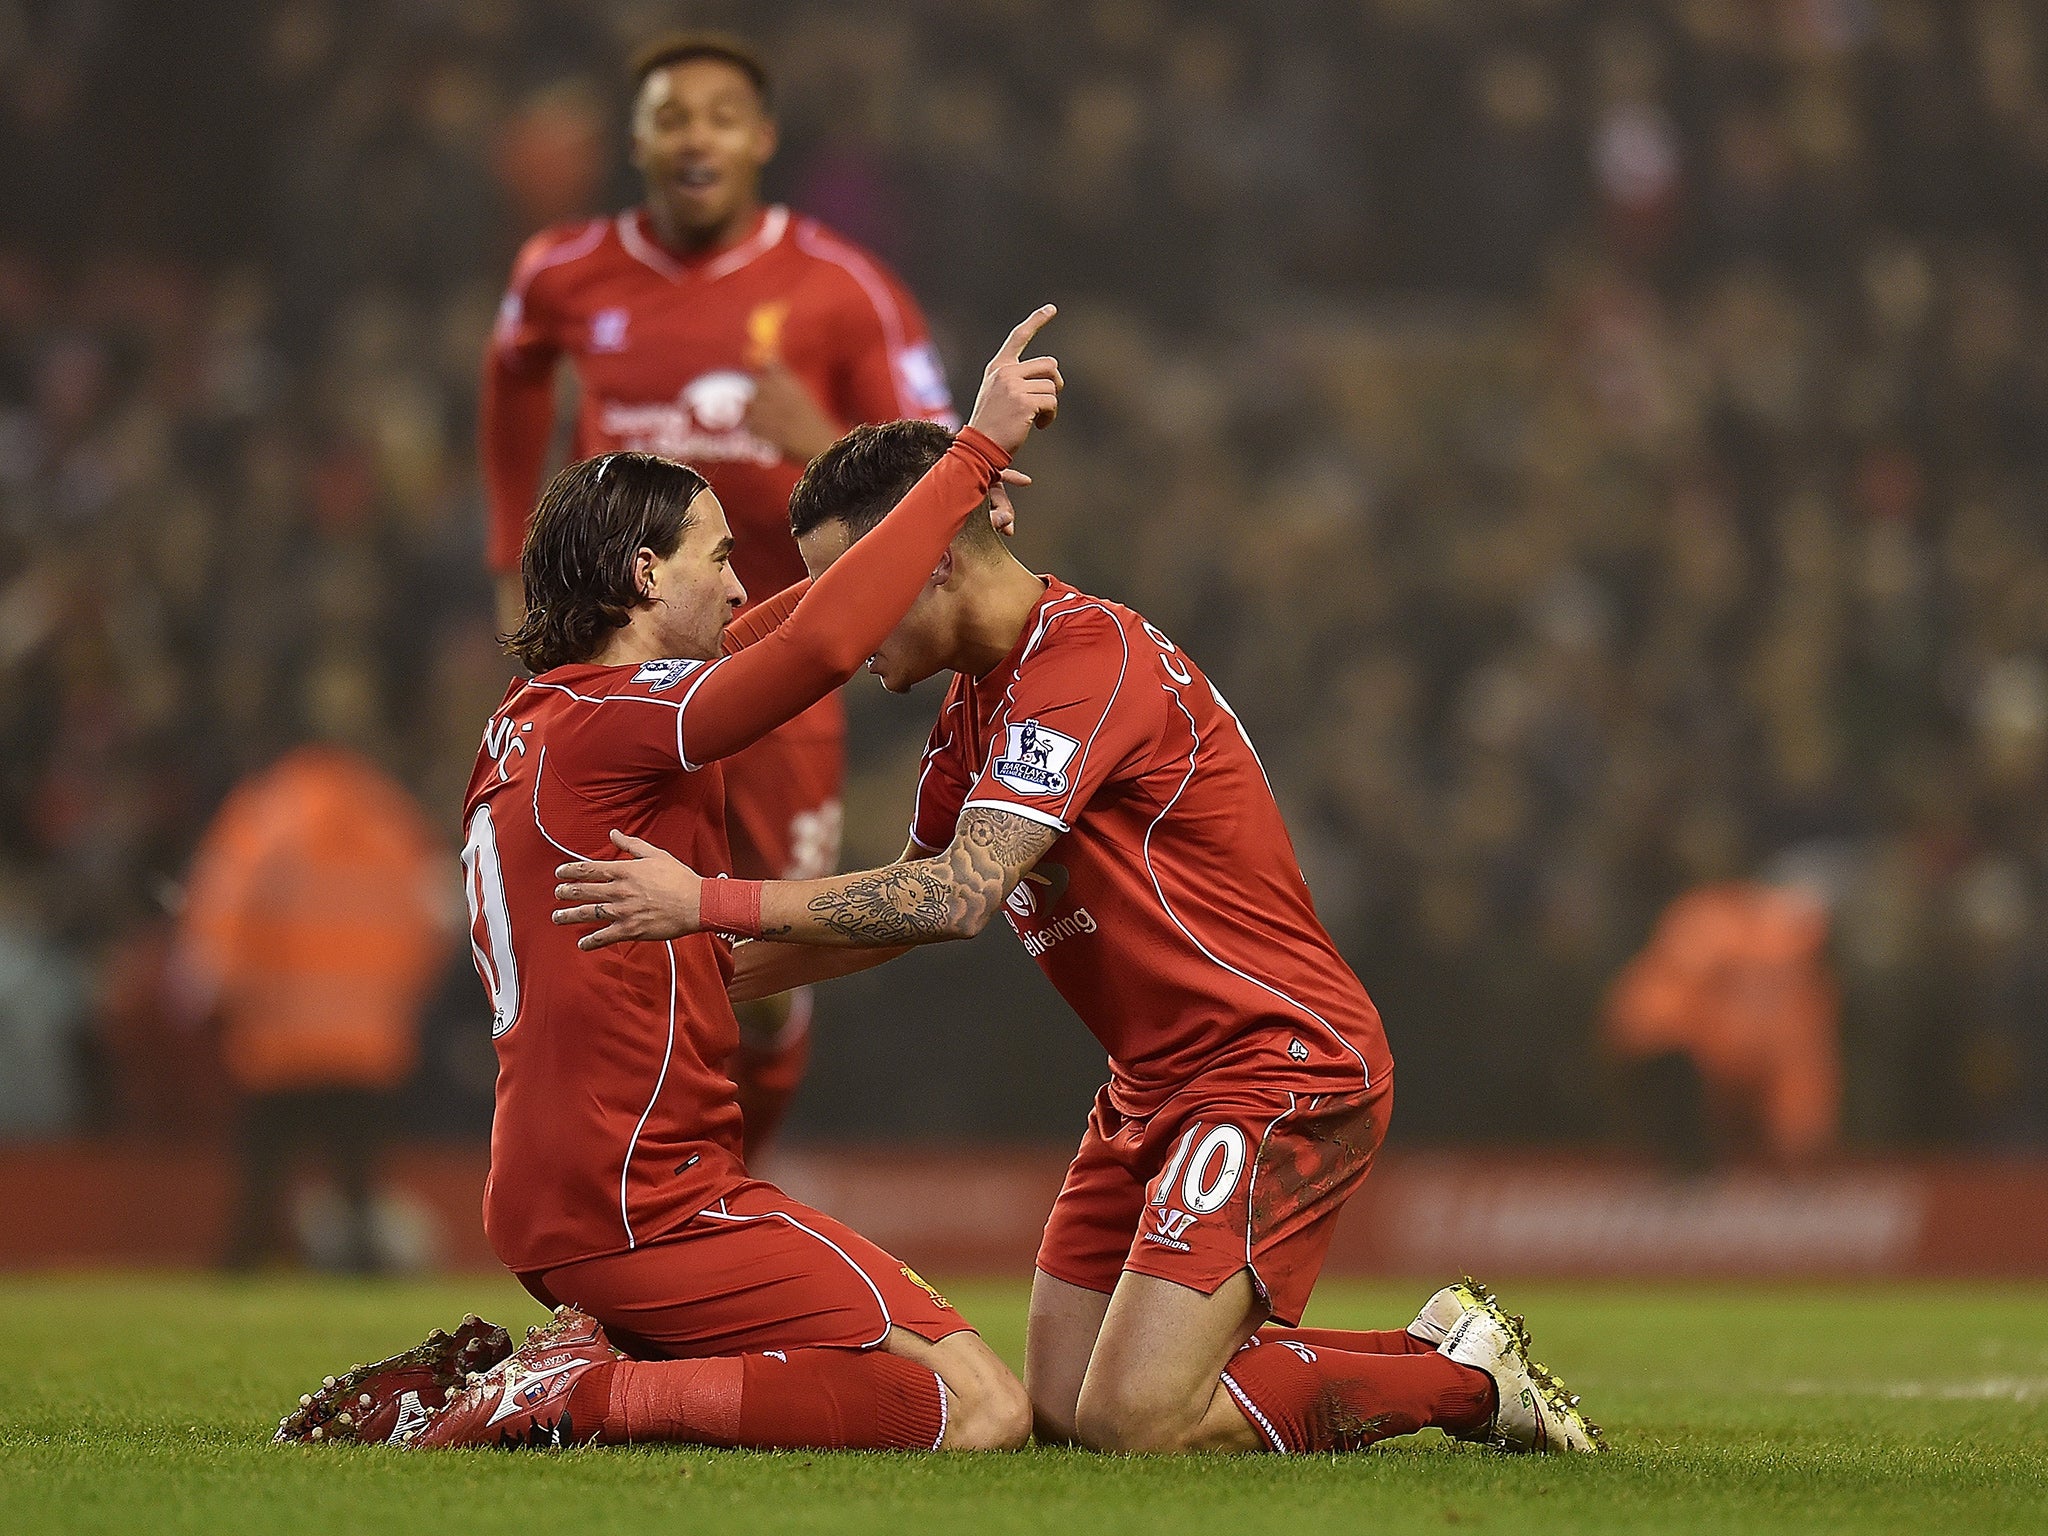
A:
859	478
682	47
577	564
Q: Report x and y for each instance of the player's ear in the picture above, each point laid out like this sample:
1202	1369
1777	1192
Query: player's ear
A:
770	138
943	571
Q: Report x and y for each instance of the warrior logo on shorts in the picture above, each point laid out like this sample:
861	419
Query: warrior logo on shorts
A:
1036	759
1172	1230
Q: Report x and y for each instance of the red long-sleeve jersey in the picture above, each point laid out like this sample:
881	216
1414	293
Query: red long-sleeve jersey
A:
615	1120
1171	914
665	349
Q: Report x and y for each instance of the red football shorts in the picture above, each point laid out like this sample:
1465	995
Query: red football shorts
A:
756	1271
1217	1180
782	810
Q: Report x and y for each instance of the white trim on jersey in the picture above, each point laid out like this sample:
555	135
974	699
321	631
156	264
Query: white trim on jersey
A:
626	1168
774	224
722	1214
540	767
684	703
1251	1196
1028	812
1123	667
573	248
635	698
813	241
603	698
1078	602
931	758
1194	752
643	250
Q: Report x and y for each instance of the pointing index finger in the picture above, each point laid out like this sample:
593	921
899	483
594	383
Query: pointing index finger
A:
1013	348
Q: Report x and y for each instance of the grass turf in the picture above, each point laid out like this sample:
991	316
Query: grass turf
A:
132	1404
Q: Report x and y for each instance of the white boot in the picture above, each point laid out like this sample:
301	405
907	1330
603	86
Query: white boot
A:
1535	1412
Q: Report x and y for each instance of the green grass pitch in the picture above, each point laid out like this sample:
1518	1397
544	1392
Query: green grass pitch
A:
144	1405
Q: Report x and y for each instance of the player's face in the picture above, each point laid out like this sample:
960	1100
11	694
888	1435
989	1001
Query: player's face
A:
695	589
917	648
700	138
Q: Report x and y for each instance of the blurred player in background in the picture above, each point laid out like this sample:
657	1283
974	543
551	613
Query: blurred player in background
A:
740	339
1086	779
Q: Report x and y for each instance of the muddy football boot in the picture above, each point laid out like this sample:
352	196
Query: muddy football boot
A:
1533	1412
524	1401
375	1404
1440	1314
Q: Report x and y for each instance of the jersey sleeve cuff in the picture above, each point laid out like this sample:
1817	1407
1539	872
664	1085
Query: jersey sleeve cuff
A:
1028	812
983	447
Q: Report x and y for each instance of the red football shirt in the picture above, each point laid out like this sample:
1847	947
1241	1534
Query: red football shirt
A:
615	1120
665	347
1172	914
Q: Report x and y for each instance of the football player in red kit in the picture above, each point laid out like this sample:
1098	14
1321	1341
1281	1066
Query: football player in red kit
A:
740	339
1086	780
617	1191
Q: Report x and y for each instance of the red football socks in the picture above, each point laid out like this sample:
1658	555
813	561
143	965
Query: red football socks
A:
1302	1398
1355	1341
818	1399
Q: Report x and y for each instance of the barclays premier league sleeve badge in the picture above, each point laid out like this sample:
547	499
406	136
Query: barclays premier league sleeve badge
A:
1034	760
660	676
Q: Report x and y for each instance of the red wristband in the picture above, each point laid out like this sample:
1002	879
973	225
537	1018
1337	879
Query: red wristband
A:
729	906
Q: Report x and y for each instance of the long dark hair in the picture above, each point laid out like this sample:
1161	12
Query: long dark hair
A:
577	565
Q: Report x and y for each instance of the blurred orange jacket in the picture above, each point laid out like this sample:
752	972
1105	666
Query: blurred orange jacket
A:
316	920
1736	977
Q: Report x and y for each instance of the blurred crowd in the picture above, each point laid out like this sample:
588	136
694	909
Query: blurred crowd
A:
1600	449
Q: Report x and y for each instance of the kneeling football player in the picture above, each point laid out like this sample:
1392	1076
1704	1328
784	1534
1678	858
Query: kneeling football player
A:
693	1303
1086	780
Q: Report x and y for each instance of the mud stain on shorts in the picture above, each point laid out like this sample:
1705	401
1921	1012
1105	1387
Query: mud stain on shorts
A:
1314	1154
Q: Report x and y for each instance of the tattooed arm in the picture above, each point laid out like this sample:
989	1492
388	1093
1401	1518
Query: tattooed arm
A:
951	894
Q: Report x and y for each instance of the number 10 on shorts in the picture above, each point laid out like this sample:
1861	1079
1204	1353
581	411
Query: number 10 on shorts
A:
1208	1161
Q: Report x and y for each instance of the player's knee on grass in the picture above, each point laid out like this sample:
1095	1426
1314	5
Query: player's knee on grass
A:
995	1416
1129	1416
1052	1423
986	1406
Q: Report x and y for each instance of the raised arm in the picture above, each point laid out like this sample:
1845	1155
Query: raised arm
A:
849	611
762	620
951	894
